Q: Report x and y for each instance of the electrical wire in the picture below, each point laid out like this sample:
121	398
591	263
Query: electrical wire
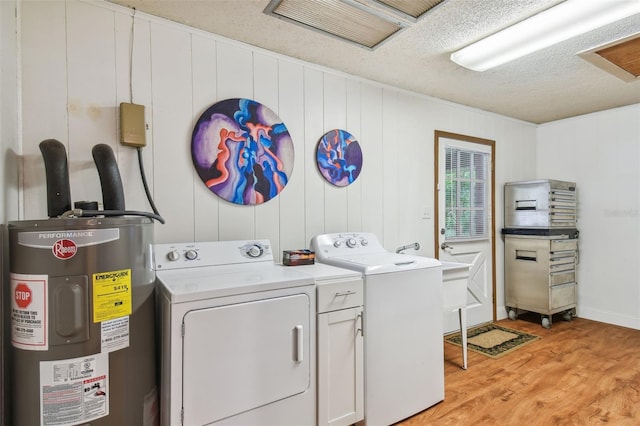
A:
133	35
144	182
109	213
139	149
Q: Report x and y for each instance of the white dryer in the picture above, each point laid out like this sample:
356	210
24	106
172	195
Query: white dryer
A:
237	338
403	347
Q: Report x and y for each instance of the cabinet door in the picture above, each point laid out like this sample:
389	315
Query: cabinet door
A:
340	367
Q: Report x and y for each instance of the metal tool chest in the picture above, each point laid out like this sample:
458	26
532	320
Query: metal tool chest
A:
541	248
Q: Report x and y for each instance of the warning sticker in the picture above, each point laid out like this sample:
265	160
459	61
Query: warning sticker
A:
111	295
74	391
29	327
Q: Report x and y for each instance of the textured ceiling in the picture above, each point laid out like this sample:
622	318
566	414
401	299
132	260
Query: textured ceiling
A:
551	84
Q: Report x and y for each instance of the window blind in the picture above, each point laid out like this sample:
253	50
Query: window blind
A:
466	196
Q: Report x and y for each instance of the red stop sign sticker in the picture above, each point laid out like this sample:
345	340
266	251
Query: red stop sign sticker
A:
23	295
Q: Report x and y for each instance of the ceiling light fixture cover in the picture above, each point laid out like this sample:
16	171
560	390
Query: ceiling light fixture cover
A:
559	23
348	20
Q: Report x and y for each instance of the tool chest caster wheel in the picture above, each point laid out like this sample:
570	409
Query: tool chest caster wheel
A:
546	322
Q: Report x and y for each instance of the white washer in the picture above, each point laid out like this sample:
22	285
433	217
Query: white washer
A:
403	347
237	338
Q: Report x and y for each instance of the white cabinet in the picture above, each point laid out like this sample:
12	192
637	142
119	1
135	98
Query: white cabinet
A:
340	353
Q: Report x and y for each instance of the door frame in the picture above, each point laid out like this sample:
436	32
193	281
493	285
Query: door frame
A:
472	139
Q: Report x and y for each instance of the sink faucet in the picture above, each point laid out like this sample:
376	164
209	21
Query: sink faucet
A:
415	246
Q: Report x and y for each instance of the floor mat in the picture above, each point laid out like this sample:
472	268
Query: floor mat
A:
493	340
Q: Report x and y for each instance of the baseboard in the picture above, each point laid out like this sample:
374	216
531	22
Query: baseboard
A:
609	317
593	315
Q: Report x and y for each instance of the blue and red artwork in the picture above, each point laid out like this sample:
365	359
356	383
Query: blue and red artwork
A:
339	157
242	151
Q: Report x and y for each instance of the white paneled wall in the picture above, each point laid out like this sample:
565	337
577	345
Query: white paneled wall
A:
204	88
601	152
9	132
78	58
173	116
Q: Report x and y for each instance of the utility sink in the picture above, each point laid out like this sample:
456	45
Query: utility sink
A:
452	271
454	277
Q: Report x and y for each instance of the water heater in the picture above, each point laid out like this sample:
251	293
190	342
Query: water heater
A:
81	319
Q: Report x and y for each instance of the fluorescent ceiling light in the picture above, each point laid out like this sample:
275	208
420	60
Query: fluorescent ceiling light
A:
559	23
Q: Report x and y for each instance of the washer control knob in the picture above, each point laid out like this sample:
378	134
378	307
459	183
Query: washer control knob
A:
337	243
351	242
254	251
191	254
173	255
364	242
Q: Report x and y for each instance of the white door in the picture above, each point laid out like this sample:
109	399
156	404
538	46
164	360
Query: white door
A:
465	224
244	356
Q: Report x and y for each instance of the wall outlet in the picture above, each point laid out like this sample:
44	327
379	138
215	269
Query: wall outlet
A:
132	126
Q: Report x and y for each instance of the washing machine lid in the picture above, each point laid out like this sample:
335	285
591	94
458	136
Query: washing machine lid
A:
382	263
185	285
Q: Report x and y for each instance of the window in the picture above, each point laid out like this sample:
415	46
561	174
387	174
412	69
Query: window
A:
467	185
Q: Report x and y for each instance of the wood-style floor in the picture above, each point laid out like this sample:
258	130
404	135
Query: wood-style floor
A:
580	373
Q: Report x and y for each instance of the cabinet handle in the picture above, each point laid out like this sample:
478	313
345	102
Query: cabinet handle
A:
529	255
526	205
360	321
345	293
299	344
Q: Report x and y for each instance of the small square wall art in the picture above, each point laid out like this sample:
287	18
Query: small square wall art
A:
339	157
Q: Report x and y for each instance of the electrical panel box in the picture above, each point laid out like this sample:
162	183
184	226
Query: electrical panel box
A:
132	125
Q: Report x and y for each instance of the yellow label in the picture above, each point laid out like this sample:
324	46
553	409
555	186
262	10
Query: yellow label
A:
111	295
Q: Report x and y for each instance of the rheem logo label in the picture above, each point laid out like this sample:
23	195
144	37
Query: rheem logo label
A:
64	249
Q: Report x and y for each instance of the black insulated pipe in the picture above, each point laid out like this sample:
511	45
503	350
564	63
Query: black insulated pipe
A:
57	177
110	181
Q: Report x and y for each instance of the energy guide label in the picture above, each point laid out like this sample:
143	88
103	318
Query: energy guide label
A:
111	295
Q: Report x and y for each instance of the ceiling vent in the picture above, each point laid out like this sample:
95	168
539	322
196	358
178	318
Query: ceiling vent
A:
366	23
409	9
620	58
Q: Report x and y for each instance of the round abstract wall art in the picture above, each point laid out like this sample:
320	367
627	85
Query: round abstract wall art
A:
339	157
242	151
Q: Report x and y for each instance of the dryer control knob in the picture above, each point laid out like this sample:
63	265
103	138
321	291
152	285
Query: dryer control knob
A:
351	242
191	254
337	243
173	255
255	251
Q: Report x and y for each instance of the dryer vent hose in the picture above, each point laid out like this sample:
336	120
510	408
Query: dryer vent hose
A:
57	176
110	181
